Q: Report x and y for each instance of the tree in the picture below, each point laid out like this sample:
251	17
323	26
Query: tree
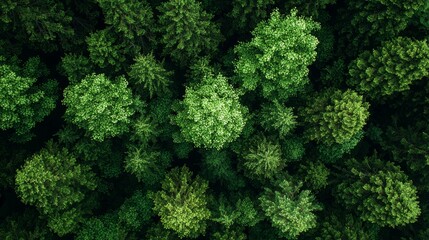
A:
52	180
130	18
377	20
391	68
276	116
264	158
289	209
148	76
278	56
245	14
380	191
335	116
135	211
100	228
210	114
105	50
346	226
187	30
102	107
23	103
182	203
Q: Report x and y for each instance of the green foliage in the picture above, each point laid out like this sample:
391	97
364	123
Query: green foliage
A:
130	18
136	211
332	152
75	67
182	203
187	30
293	148
41	24
277	117
100	106
380	192
245	14
217	166
289	209
335	116
23	102
24	226
264	158
315	175
391	68
102	228
104	49
378	20
147	165
278	56
52	181
149	76
309	8
64	222
243	213
346	227
210	114
229	235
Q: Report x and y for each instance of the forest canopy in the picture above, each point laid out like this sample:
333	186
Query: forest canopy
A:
224	120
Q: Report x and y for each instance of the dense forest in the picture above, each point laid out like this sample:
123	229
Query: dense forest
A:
204	119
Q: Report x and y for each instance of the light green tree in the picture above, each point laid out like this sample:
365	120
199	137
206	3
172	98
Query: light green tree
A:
335	116
52	180
100	106
211	114
391	68
289	209
278	56
182	203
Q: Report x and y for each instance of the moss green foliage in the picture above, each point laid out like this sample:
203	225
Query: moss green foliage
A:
391	68
100	106
182	203
278	117
347	227
264	158
187	30
210	114
52	181
396	206
278	55
23	102
335	116
224	120
149	76
378	20
290	209
130	18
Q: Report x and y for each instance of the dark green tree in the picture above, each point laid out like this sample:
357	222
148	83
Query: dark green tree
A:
380	191
276	116
130	18
52	180
100	106
391	68
278	56
187	30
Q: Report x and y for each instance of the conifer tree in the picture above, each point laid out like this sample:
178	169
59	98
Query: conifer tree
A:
182	203
380	192
335	116
391	68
